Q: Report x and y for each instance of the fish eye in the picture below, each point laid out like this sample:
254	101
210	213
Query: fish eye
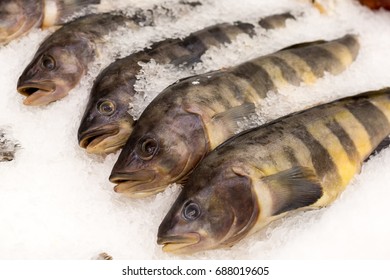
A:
191	211
106	107
147	148
48	62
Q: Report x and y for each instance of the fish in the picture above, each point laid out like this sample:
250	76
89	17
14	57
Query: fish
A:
107	123
8	146
299	162
63	58
18	17
193	116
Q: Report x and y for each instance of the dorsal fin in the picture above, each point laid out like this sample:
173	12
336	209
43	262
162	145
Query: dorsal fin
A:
302	45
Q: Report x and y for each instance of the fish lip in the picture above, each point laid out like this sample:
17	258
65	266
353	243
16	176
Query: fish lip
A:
176	243
91	138
129	182
38	93
30	88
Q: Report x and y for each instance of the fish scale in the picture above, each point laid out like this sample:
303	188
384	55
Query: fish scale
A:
115	84
301	161
208	108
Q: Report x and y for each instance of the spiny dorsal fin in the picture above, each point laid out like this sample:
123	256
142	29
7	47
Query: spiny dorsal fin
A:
293	188
302	45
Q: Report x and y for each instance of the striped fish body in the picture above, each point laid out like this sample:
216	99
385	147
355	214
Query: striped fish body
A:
193	116
301	161
104	132
219	97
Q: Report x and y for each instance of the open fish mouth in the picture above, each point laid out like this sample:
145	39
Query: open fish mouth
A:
96	141
179	243
136	184
38	93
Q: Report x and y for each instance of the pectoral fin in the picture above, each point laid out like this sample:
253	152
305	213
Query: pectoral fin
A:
293	188
223	125
232	116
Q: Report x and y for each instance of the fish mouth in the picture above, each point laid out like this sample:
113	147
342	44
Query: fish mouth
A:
136	184
37	94
95	140
179	244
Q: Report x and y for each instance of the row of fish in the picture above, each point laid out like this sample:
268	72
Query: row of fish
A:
234	183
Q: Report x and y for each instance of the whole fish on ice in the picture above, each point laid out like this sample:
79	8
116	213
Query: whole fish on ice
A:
193	116
63	58
302	161
107	123
18	17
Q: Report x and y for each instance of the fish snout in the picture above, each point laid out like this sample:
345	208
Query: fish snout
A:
139	175
136	184
179	244
92	138
37	93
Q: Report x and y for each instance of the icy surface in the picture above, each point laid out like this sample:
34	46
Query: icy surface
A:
56	201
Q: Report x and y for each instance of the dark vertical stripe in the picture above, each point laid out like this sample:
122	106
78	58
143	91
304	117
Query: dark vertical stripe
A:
345	140
321	159
289	73
290	155
219	34
372	118
193	44
246	28
256	76
320	60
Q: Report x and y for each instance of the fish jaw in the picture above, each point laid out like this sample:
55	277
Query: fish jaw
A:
137	184
105	139
40	93
179	244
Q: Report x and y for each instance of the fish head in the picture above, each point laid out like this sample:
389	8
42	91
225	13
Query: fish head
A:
160	151
17	17
53	72
106	124
209	213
